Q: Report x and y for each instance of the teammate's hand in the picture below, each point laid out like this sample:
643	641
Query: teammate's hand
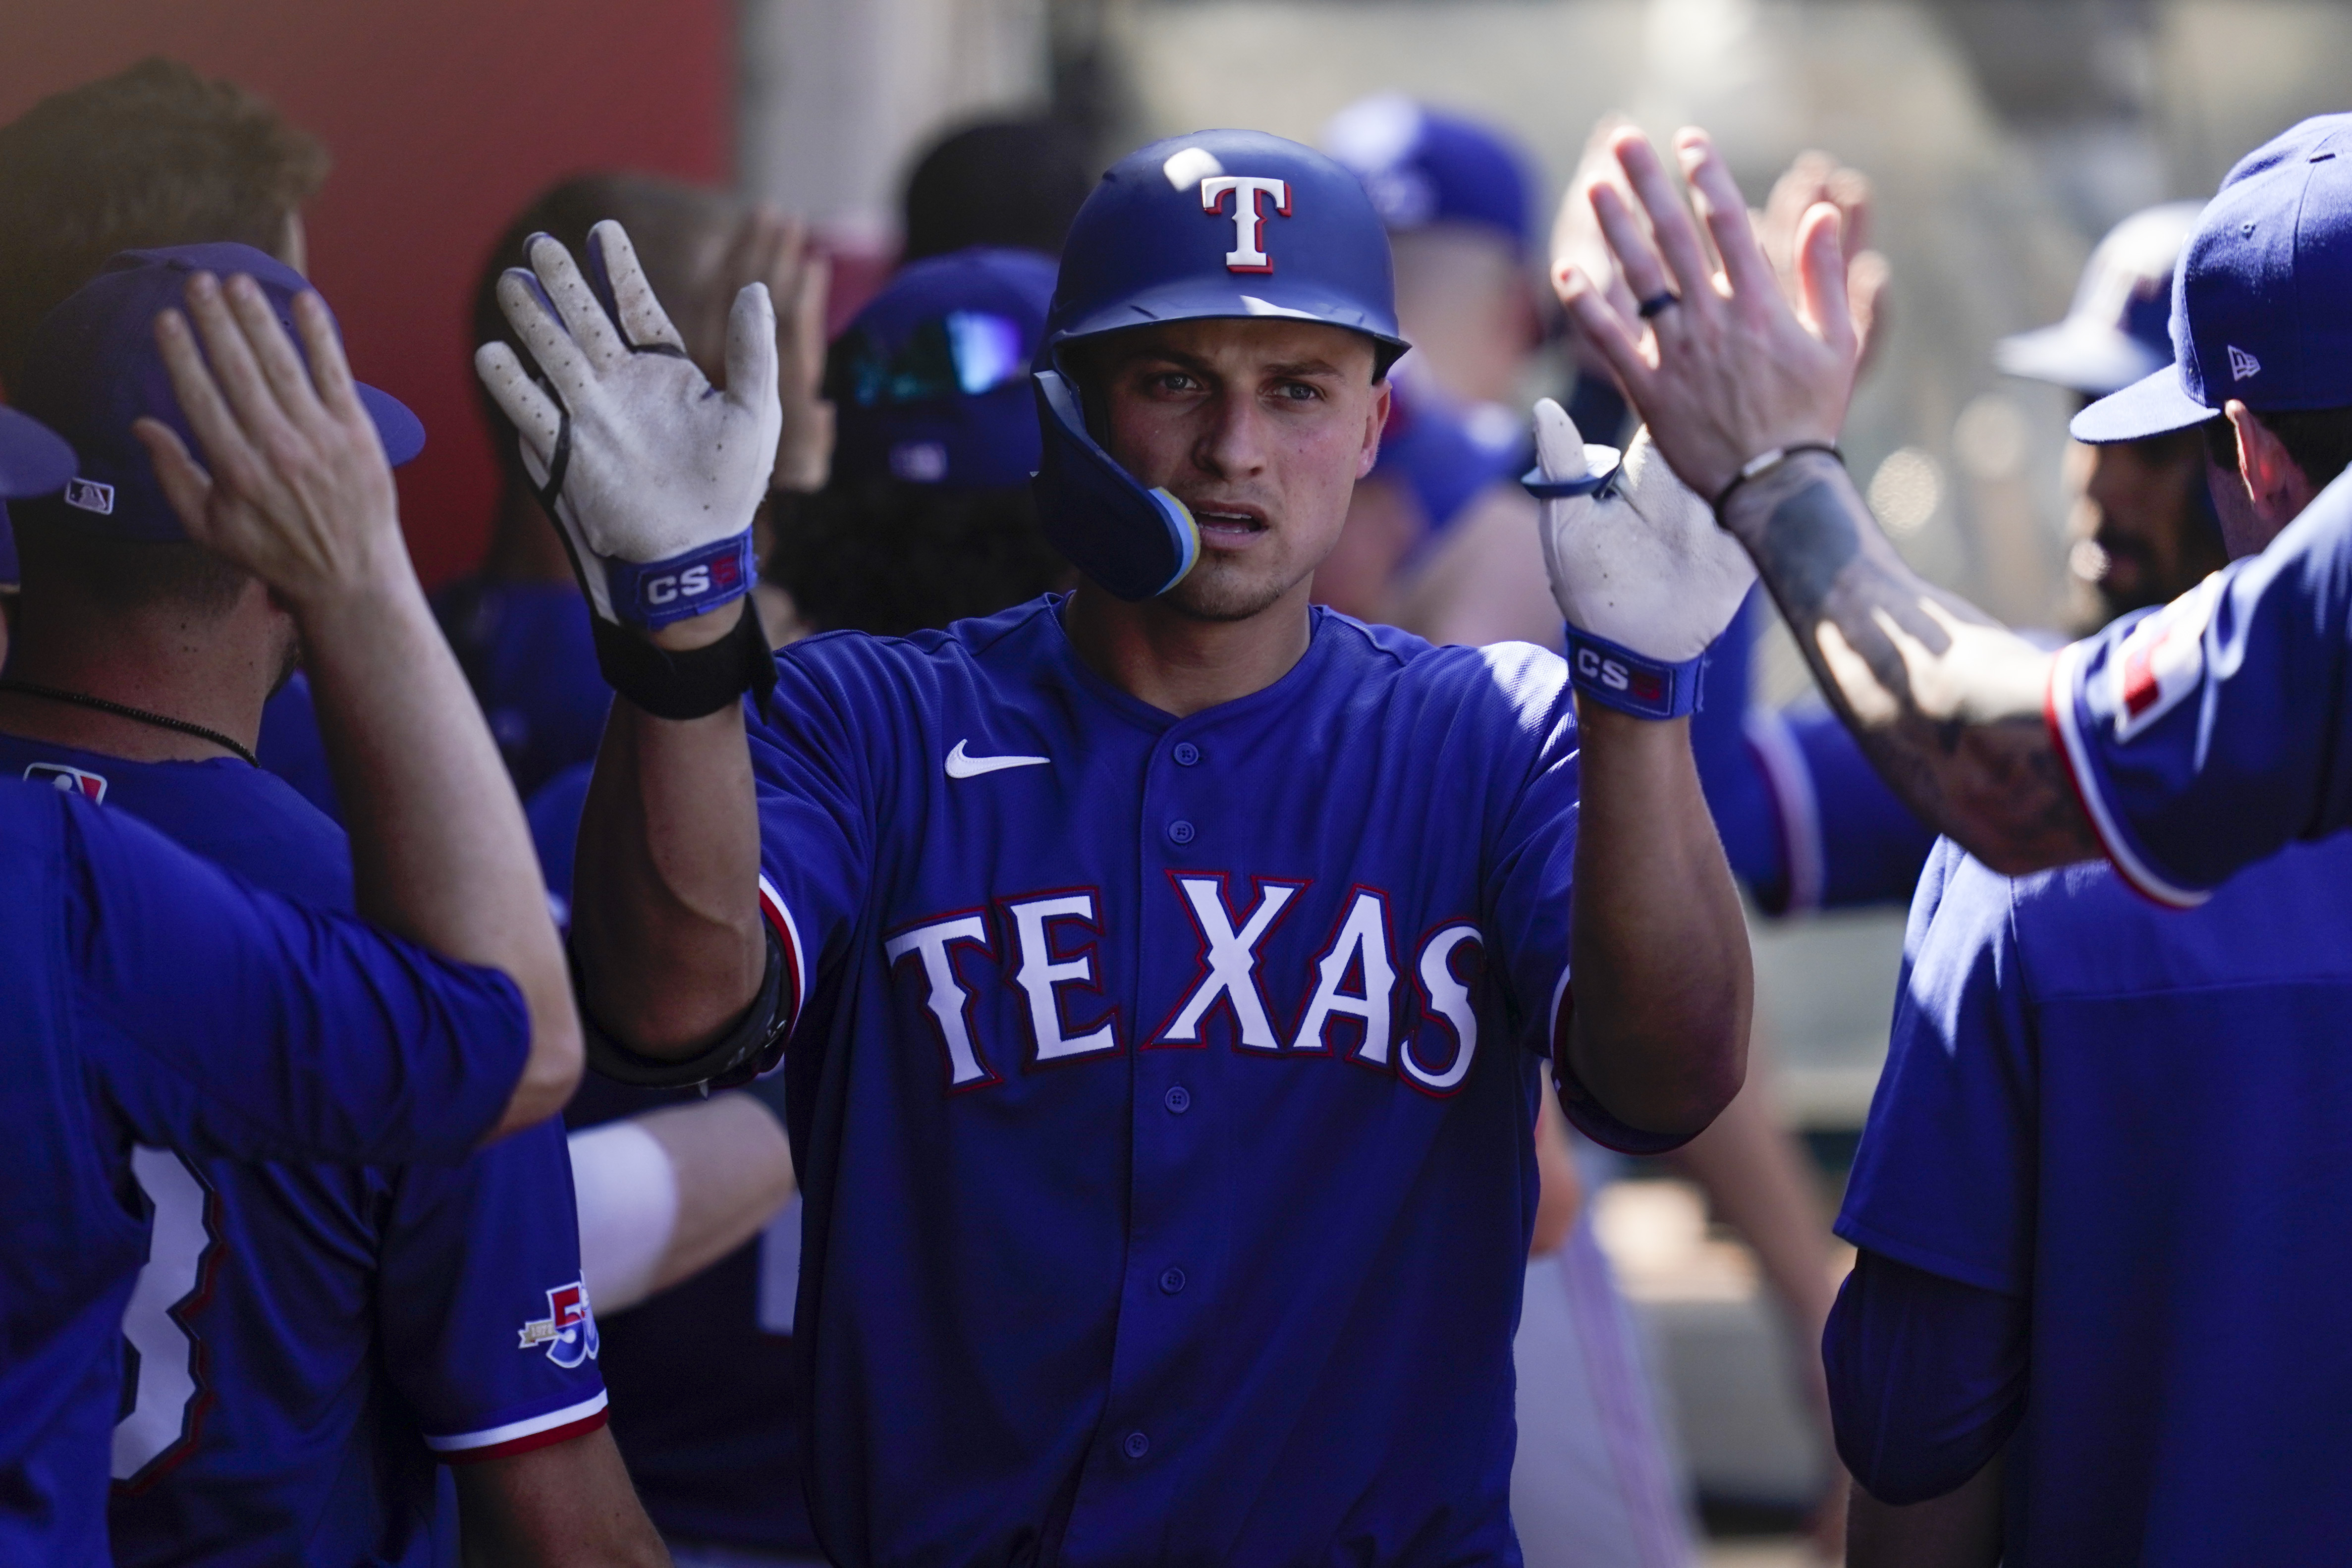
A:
1576	238
294	487
771	248
1642	564
1811	179
1728	370
654	473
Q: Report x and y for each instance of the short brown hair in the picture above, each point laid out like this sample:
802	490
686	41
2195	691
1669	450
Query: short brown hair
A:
154	155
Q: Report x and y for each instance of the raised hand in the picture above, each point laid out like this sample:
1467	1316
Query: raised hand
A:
1639	561
294	487
1721	366
771	248
1811	179
652	473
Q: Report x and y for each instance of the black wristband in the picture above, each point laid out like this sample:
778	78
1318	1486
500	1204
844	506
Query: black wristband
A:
1763	463
692	684
746	1051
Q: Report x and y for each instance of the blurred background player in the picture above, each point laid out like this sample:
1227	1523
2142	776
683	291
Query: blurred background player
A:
1008	184
1441	539
2141	521
313	1342
2090	1321
157	1005
928	518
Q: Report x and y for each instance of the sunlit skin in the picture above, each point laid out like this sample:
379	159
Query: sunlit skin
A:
1262	428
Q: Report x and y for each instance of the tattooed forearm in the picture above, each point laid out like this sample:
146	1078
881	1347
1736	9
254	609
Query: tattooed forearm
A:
1945	702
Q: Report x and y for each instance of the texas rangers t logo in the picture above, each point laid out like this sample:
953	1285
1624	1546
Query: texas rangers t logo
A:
1248	254
569	1330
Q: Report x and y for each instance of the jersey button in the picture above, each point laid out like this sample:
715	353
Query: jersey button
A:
1178	1099
1186	754
1171	1281
1180	832
1136	1445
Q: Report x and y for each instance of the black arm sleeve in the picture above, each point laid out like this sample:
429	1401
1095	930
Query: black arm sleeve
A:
1927	1378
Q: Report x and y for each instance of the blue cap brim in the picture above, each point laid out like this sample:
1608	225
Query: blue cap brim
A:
2082	356
401	433
34	459
2153	405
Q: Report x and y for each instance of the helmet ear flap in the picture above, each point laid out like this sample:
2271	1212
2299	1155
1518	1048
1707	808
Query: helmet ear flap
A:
1136	543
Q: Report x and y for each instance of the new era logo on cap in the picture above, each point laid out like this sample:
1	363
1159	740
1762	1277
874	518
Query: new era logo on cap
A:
91	496
2242	364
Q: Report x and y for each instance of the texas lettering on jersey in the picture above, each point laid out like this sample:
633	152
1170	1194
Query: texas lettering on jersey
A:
1352	1006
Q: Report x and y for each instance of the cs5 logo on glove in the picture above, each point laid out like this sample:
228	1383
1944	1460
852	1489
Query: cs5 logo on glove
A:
657	592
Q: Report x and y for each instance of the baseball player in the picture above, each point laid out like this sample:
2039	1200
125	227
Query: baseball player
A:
2142	520
1441	522
926	518
2051	1370
154	1003
311	1340
1169	967
1746	394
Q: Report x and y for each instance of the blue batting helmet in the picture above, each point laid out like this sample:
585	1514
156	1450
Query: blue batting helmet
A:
1219	224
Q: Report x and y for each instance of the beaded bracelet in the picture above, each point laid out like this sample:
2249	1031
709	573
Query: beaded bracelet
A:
1763	463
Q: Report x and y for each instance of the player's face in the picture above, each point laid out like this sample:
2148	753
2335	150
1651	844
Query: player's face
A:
1262	428
2139	508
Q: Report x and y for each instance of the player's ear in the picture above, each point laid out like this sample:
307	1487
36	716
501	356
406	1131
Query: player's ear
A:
2264	464
1376	420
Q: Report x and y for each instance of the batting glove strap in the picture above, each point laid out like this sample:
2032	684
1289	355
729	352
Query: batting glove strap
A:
692	684
750	1048
1634	683
658	592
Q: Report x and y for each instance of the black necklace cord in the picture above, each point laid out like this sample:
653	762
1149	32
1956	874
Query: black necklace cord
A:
135	715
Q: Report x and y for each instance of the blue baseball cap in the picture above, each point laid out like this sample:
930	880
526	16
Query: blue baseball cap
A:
2118	330
1424	166
34	461
929	383
93	369
2262	304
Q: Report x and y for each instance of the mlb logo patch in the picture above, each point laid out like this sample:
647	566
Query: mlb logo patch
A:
71	781
2161	660
89	496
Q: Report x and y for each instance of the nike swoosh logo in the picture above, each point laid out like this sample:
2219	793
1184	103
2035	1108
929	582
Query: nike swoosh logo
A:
960	765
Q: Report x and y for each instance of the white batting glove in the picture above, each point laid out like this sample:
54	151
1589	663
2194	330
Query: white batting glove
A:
1642	574
652	473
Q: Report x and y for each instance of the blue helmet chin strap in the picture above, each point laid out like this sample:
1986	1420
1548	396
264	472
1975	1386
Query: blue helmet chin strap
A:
1136	543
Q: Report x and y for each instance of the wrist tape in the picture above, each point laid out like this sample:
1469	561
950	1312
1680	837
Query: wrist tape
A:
1633	683
691	684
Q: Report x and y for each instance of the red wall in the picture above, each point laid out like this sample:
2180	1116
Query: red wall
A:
444	115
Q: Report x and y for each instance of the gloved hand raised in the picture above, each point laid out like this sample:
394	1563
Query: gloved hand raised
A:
652	473
1641	572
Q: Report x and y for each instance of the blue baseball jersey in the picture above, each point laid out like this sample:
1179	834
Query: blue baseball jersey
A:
2208	733
704	1410
153	1001
1806	822
1162	1091
307	1339
2133	1122
529	653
